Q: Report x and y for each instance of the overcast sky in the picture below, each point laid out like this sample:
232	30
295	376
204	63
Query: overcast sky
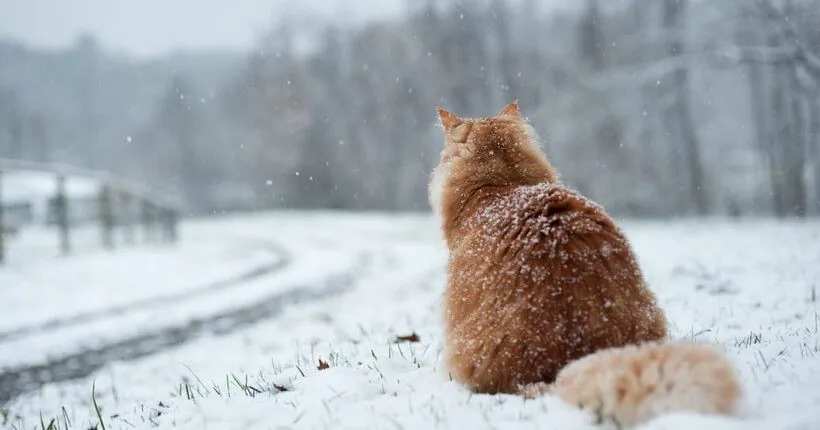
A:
152	27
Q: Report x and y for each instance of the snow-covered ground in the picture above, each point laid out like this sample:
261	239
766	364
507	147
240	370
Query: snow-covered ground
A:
749	286
40	291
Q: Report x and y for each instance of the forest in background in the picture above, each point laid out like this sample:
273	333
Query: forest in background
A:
654	108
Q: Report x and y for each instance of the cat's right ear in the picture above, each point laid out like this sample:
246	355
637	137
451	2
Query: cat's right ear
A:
511	110
448	120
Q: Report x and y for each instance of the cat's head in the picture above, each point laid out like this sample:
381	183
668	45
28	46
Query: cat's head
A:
501	150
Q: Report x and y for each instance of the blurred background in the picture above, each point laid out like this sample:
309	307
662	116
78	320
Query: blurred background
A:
655	108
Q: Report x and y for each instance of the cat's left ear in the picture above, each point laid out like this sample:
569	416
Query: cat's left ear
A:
448	120
511	110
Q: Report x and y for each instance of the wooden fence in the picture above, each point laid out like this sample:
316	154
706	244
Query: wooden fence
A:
121	203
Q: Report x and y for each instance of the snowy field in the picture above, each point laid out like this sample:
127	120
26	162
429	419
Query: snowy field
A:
293	320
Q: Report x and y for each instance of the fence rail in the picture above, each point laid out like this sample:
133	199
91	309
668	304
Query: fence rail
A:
120	203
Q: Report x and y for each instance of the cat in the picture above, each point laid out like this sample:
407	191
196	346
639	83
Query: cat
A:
538	276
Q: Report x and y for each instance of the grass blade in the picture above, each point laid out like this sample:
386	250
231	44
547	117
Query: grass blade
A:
94	401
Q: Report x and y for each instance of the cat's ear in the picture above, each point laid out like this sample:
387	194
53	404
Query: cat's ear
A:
511	110
448	120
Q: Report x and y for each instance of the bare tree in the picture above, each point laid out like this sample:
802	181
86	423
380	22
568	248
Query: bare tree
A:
621	93
88	54
592	45
674	21
11	124
784	75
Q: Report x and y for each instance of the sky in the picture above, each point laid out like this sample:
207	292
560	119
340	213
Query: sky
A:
145	28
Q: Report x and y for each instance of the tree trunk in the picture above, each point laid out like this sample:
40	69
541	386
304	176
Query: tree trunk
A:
674	13
776	134
761	115
592	37
795	149
786	147
2	223
813	147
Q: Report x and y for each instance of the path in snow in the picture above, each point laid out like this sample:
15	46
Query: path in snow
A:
313	265
81	342
279	260
39	289
17	380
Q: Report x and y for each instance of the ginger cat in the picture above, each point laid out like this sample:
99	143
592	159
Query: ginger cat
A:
538	275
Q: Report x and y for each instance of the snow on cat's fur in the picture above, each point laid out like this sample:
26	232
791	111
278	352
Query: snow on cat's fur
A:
538	275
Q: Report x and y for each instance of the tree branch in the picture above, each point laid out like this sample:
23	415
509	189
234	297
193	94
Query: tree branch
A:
789	34
755	54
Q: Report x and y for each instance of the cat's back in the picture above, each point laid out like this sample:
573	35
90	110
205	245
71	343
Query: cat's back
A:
547	241
544	221
550	270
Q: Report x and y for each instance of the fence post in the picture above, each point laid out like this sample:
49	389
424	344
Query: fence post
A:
2	224
106	216
147	215
129	216
61	213
171	220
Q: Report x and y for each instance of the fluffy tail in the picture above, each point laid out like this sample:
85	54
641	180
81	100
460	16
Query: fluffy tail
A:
633	384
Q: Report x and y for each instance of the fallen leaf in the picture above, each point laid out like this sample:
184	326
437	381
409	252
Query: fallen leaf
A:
322	365
282	387
413	337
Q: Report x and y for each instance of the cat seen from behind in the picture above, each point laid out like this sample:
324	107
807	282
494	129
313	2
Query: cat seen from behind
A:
538	275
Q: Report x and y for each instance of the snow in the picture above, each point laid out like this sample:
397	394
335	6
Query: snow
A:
113	281
36	189
749	286
35	296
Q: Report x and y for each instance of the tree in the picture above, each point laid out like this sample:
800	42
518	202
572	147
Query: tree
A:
11	125
173	150
674	22
784	75
617	93
592	44
87	54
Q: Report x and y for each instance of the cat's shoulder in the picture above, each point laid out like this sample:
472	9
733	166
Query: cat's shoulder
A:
542	199
542	207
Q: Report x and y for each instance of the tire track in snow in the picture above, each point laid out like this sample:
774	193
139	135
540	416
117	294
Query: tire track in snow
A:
17	381
281	261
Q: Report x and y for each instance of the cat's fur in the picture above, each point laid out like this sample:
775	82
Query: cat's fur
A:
538	275
632	384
